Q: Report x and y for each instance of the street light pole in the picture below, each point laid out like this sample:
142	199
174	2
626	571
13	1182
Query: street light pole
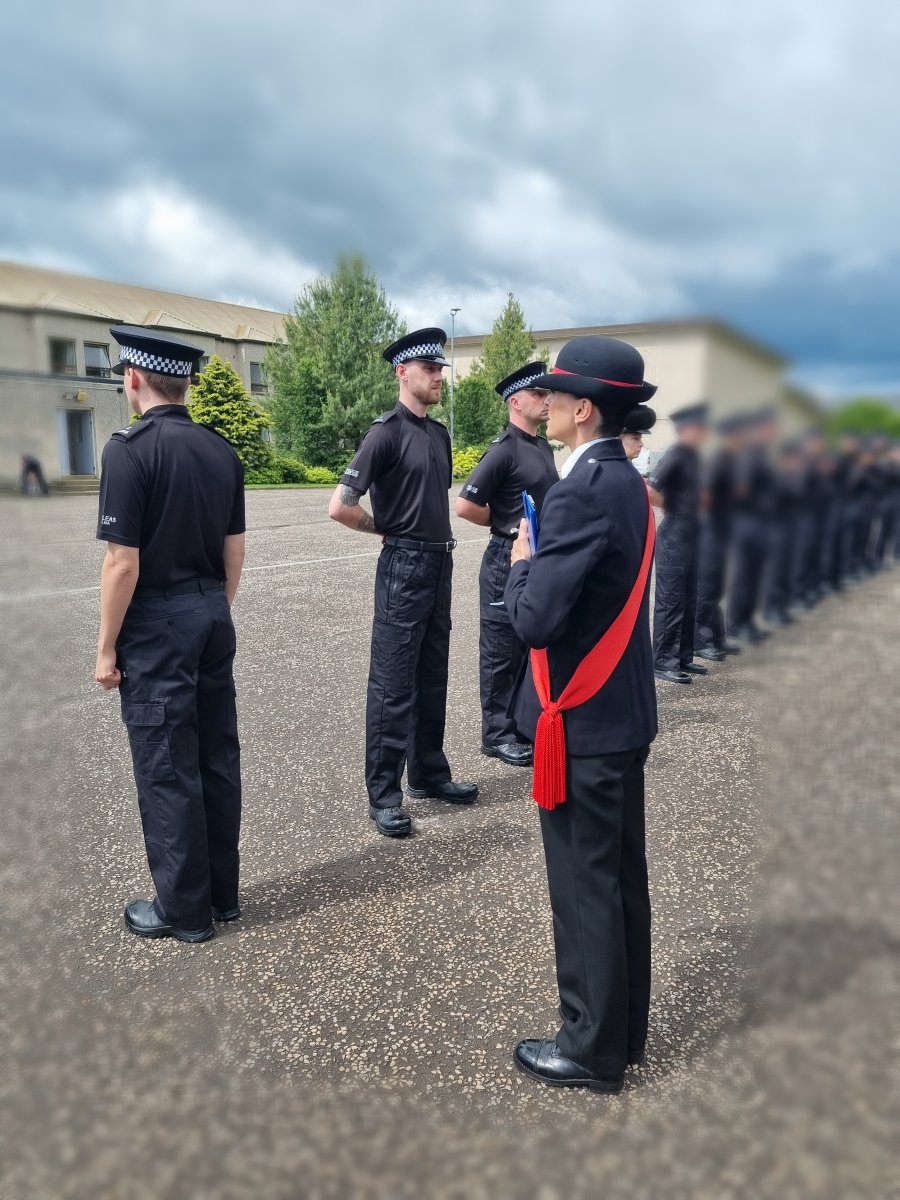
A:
453	312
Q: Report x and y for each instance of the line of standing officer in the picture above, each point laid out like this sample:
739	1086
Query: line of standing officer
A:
172	515
405	461
675	487
516	461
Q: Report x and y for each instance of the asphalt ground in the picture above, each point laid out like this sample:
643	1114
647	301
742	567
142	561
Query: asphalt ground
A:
352	1035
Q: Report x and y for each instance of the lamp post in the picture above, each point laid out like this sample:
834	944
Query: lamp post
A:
453	312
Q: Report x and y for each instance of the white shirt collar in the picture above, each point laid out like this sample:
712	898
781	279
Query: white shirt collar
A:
577	453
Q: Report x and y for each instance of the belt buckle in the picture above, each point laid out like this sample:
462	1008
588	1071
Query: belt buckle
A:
451	545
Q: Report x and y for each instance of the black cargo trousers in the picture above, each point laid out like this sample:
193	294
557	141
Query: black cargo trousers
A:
406	699
675	602
176	655
500	652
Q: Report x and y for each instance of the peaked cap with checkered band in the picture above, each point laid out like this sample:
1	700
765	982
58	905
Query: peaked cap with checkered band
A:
162	353
422	345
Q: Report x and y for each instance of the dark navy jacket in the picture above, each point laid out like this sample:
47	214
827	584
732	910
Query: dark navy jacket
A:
590	546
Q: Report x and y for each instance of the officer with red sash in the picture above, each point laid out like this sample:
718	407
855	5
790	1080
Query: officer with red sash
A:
588	702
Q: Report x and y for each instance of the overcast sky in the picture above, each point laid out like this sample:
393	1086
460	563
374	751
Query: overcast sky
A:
607	162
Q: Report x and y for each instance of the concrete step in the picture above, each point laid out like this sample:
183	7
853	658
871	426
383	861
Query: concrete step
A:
76	485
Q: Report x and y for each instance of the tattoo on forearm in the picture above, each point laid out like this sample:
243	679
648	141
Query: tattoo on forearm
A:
349	496
366	524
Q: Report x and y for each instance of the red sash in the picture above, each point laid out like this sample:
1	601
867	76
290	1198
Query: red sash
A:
593	671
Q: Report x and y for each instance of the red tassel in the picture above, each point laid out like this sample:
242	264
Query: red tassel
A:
549	786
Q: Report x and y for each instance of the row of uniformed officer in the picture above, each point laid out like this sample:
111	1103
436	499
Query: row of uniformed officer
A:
172	515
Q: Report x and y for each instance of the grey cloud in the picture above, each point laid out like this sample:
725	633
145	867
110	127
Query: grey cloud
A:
694	151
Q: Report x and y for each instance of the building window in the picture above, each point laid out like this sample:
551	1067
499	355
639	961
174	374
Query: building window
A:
62	356
258	380
96	360
203	364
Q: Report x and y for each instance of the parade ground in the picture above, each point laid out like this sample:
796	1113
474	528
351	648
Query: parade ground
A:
352	1035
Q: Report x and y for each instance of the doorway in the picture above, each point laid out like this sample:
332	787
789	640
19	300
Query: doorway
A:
76	442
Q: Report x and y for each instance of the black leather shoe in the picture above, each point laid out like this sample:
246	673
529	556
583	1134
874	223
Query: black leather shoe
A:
143	920
542	1060
750	633
695	668
452	793
673	676
711	654
517	754
392	822
226	914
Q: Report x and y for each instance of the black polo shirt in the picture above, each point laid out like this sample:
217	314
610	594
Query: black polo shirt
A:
677	479
514	462
174	490
407	463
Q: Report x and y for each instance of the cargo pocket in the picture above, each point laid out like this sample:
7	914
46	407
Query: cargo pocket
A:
392	655
149	737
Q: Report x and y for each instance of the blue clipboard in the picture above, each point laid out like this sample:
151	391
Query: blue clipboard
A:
531	518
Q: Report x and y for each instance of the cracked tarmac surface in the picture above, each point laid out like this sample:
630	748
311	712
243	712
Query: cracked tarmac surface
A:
352	1035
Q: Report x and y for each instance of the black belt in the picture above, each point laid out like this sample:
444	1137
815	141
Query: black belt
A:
412	544
503	539
179	589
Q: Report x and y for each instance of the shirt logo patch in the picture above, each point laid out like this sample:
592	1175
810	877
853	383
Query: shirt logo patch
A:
104	520
350	471
471	489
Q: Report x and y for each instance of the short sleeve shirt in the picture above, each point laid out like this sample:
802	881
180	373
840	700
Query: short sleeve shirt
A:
174	490
514	462
406	463
677	479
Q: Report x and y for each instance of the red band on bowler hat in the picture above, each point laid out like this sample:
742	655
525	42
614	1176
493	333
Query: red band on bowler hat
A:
596	378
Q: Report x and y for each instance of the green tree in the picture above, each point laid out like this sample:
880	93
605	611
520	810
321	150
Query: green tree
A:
218	399
479	414
296	408
340	324
864	416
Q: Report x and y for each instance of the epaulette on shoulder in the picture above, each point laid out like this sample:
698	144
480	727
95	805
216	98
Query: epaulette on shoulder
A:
385	417
217	433
501	437
131	431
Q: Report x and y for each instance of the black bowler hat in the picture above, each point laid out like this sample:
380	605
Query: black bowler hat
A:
161	353
640	420
521	380
422	345
693	414
603	369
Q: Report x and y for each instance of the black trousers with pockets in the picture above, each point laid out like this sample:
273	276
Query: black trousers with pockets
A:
500	651
406	700
594	847
675	604
751	560
712	563
176	656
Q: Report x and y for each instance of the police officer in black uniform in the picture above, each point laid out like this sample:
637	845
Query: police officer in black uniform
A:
755	501
172	514
715	541
518	460
788	548
406	461
674	486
